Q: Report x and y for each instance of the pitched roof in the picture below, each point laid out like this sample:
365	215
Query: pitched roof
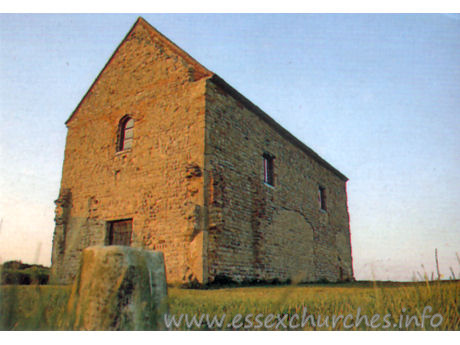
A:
200	69
275	125
204	72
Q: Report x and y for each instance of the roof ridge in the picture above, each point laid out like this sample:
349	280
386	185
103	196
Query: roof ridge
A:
174	47
275	125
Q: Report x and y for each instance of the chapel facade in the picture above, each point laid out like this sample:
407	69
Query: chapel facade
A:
162	153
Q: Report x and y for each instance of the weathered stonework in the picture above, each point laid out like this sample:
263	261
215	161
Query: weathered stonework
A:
118	288
192	183
260	232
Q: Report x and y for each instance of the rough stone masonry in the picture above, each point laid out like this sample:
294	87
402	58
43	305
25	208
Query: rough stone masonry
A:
163	154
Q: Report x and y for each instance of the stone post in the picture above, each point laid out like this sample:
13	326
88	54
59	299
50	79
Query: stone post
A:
118	288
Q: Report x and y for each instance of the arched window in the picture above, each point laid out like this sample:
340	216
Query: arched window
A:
125	133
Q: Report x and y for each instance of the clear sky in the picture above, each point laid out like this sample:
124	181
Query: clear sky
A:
377	96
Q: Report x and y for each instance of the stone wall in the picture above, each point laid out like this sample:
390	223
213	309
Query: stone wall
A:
158	182
193	180
260	232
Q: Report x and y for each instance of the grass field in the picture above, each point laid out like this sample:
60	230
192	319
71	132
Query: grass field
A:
327	301
43	307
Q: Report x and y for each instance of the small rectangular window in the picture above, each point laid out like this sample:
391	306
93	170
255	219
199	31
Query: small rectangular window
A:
119	232
322	198
269	176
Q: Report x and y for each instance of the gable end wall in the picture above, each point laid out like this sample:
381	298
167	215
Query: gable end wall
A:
159	182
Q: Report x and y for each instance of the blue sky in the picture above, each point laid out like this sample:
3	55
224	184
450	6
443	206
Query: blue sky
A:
378	96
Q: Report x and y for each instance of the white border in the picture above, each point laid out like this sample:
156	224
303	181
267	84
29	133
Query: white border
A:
223	338
235	6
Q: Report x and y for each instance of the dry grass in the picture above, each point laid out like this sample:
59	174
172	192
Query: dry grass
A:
328	300
43	307
32	307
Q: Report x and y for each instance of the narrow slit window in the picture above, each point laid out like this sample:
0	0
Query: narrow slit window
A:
322	198
120	232
269	176
126	134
